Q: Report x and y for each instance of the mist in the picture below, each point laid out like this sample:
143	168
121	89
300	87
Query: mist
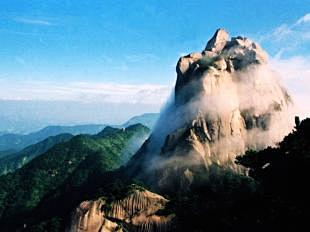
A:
25	116
243	110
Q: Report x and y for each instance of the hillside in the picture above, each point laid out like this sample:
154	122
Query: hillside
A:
148	119
13	161
70	164
6	152
283	175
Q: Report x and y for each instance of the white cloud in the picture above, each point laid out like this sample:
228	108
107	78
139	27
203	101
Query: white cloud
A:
289	45
288	37
297	31
304	19
282	32
295	74
34	21
85	92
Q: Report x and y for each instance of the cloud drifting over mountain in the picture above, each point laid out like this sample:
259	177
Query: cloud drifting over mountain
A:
295	73
287	43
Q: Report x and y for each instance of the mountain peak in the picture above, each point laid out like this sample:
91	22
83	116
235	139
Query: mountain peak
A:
227	100
221	57
218	41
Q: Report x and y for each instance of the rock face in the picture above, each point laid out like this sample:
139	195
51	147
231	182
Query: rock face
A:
220	58
218	41
135	212
227	100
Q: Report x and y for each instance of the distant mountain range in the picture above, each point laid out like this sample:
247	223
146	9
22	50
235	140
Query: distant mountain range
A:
16	142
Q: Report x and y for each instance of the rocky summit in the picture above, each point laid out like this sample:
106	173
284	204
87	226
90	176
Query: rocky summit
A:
221	55
227	100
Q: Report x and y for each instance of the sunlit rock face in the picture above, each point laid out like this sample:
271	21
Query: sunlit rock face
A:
214	67
135	212
227	100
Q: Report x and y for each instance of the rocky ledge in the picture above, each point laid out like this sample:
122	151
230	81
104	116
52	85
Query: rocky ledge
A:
137	211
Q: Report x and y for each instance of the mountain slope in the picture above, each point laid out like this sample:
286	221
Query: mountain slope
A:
283	174
275	196
16	160
6	153
148	119
70	162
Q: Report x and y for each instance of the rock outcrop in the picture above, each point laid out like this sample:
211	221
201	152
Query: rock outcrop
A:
218	41
220	58
227	100
137	211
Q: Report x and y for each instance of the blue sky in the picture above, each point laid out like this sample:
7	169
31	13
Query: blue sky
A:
88	50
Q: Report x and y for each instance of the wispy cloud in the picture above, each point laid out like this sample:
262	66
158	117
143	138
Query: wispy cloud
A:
85	92
304	19
33	21
49	103
299	29
282	32
295	73
289	44
288	37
